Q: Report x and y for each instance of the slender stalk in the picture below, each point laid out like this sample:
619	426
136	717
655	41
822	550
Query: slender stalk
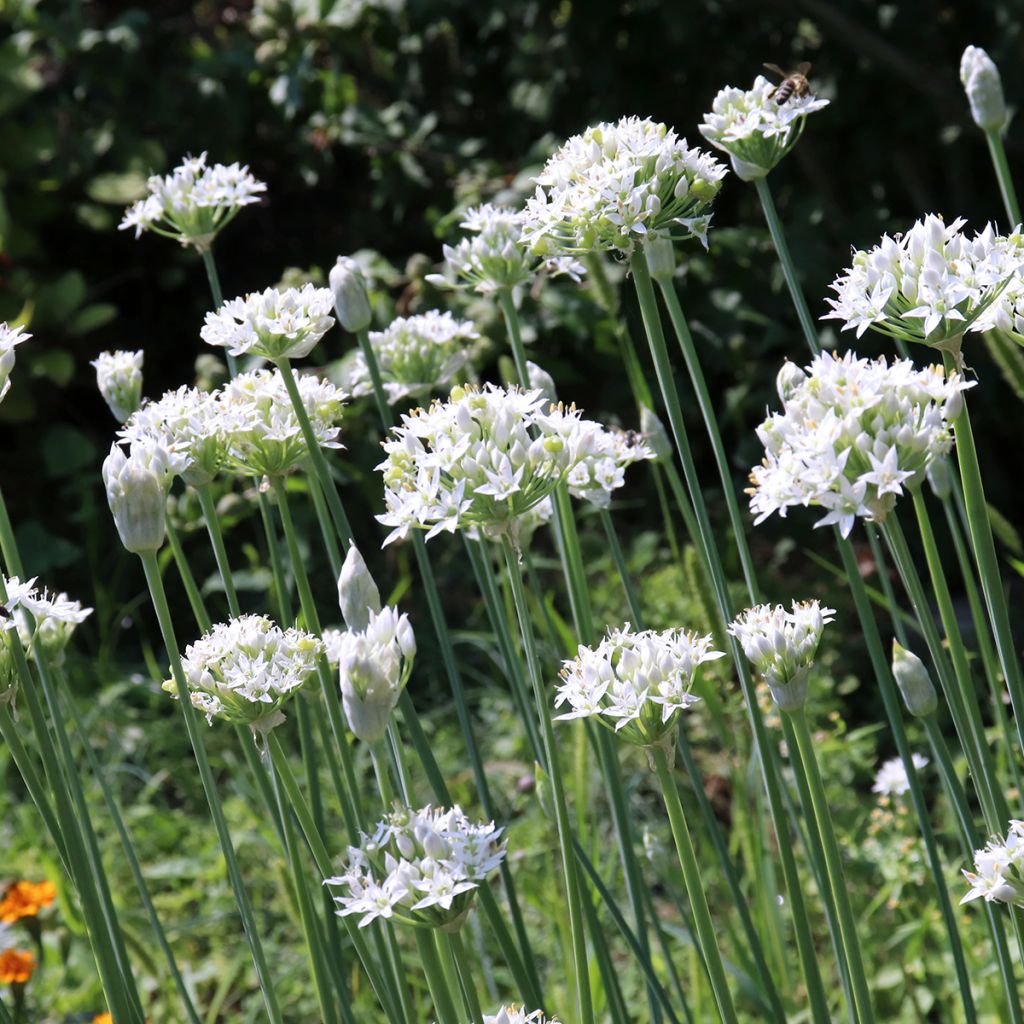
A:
834	866
209	509
585	1012
457	953
163	613
705	927
515	336
195	597
1001	166
704	538
988	562
440	994
218	298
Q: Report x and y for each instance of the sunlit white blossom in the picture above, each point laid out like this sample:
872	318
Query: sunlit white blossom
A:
420	867
273	324
998	874
416	355
635	682
48	610
891	779
612	186
781	646
194	201
853	434
244	670
754	128
595	477
9	338
518	1015
119	379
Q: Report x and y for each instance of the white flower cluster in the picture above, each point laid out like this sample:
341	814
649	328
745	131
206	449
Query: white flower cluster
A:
272	324
307	14
494	257
261	433
244	670
852	433
44	606
612	186
374	664
984	88
9	338
755	129
596	476
416	355
518	1015
891	779
480	459
930	285
998	873
119	379
635	682
781	646
420	867
194	201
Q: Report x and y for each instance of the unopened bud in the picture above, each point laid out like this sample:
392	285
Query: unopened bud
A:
788	379
351	300
541	380
984	88
137	487
914	682
661	257
939	478
655	434
119	378
358	595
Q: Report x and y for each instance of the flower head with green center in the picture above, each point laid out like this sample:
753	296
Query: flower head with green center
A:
187	423
494	258
9	338
194	202
635	682
998	874
852	434
480	459
420	867
261	432
416	355
609	188
119	379
272	324
930	285
754	129
243	671
781	646
984	88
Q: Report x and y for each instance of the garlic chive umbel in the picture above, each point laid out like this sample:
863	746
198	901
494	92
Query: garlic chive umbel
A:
420	867
781	646
119	379
931	284
998	875
10	337
891	778
480	459
40	617
495	257
852	435
595	477
610	188
518	1015
636	683
754	128
194	202
244	671
274	323
416	355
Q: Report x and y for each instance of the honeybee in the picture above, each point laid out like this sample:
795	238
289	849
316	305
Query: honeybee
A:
794	83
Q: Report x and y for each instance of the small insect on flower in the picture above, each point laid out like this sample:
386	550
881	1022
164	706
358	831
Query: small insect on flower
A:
794	83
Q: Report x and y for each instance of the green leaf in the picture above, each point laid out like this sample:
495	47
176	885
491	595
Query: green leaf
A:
119	189
65	450
92	317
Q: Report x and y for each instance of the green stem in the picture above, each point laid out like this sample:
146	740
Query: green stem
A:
515	336
195	597
163	613
209	509
440	994
705	928
218	298
585	1013
1001	166
988	563
822	826
803	313
454	951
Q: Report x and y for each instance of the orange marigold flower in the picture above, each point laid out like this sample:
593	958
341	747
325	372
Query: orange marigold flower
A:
103	1018
25	899
16	967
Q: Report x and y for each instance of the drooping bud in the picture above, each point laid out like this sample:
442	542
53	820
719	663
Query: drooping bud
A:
914	682
119	378
137	487
661	257
358	595
939	478
540	379
351	300
655	434
984	88
788	379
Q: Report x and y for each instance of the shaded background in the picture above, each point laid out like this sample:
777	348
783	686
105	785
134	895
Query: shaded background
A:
370	124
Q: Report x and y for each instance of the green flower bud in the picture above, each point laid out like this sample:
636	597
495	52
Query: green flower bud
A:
351	300
914	682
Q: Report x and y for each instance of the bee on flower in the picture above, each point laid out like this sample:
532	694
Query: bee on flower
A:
194	202
420	867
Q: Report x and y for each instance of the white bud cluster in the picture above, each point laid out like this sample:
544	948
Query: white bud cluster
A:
119	379
595	477
998	874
